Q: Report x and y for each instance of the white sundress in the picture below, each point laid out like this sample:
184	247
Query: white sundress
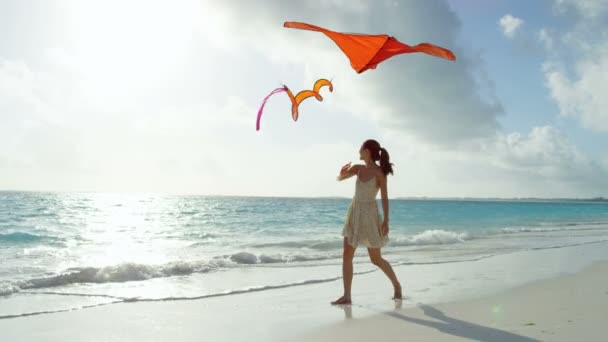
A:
363	224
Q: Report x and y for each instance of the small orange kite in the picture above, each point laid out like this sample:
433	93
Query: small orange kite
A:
295	100
366	51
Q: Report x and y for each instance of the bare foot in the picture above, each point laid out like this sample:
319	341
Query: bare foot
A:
398	294
341	300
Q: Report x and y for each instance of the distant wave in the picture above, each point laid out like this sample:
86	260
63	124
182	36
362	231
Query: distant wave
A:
569	245
248	258
514	230
427	237
23	238
557	228
432	237
321	245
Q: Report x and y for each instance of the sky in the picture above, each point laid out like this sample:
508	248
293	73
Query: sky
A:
162	96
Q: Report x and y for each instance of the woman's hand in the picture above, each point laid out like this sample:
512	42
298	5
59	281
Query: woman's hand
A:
384	228
344	172
344	169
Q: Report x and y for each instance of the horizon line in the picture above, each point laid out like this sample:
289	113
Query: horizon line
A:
445	198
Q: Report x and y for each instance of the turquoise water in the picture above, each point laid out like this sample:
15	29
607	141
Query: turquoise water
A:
156	245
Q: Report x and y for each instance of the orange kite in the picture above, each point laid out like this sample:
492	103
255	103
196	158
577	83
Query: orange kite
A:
366	51
295	100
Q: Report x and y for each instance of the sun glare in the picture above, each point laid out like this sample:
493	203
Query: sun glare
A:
122	45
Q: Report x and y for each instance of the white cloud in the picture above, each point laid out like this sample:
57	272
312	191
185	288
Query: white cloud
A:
510	25
576	71
545	152
588	8
52	138
545	37
583	97
542	163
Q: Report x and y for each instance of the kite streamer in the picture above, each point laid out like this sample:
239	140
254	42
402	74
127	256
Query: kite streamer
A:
257	121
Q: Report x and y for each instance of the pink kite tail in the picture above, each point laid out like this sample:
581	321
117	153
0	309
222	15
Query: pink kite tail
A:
257	121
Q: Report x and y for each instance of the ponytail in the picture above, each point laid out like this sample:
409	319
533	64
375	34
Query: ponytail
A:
377	152
385	164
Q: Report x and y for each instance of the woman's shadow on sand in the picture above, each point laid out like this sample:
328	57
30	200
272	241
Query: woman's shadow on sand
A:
454	326
457	327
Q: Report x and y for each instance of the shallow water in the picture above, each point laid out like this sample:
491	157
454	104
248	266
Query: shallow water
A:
90	248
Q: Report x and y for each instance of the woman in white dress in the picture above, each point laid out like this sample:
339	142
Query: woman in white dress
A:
363	224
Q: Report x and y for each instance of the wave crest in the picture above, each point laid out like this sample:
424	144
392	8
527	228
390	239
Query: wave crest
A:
432	237
25	238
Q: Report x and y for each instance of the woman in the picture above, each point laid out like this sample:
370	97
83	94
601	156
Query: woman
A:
363	224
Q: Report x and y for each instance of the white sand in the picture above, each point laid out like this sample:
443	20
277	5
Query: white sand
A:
567	308
563	308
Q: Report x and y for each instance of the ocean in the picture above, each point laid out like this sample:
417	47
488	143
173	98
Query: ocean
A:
62	251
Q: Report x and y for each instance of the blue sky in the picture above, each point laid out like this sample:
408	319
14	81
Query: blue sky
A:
161	96
516	66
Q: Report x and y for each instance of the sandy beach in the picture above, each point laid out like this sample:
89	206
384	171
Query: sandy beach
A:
567	308
557	306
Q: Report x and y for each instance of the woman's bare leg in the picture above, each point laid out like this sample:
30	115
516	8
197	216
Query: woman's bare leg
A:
347	272
376	258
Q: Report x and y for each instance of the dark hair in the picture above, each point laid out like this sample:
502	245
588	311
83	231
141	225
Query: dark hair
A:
379	153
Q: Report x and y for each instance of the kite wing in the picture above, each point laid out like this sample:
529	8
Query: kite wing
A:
366	51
